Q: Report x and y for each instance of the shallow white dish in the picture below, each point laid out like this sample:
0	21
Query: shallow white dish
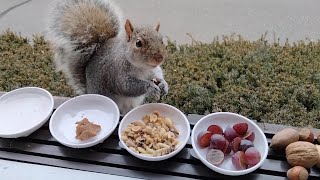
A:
98	109
223	119
179	119
23	111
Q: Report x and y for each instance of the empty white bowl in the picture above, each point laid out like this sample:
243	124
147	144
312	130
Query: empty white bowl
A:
224	119
98	109
23	111
179	119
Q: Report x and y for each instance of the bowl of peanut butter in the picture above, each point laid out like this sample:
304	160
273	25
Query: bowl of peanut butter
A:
84	121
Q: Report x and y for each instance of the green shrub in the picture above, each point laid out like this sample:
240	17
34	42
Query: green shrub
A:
23	64
268	82
265	81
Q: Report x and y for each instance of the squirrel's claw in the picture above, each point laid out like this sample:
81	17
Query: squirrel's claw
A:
154	92
163	85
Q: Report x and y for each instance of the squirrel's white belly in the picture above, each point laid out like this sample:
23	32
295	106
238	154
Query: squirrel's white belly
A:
125	104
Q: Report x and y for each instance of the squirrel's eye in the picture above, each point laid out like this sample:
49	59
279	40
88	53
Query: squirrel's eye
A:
138	43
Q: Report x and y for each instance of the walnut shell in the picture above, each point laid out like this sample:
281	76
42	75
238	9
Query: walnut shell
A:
318	148
302	153
283	138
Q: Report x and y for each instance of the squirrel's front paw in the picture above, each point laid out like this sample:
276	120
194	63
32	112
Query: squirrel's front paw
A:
163	85
154	91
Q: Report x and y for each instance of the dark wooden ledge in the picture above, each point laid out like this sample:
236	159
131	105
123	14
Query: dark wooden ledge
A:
41	148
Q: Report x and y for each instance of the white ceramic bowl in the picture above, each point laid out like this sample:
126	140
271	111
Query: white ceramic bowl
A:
98	109
223	119
23	111
179	119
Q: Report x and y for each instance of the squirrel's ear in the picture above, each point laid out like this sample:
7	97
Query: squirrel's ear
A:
157	27
129	29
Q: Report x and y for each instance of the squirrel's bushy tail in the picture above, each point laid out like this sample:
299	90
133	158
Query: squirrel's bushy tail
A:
76	29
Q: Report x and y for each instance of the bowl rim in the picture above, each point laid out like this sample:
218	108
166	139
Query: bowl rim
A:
38	125
155	158
87	144
225	171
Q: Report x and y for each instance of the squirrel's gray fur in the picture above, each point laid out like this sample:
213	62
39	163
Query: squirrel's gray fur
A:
100	53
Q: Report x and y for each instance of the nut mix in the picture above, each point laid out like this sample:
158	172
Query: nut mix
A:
301	153
154	135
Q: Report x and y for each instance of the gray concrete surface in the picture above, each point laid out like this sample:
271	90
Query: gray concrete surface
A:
11	170
204	19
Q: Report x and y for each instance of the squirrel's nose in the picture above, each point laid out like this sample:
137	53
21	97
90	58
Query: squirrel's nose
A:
158	58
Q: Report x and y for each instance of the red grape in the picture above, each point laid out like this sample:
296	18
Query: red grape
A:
215	129
217	141
252	156
239	161
249	136
230	133
228	150
204	138
245	144
241	128
235	144
215	156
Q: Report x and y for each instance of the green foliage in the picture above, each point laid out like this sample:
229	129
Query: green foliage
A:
23	64
268	82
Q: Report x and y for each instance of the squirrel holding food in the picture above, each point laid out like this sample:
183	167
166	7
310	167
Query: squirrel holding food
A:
101	53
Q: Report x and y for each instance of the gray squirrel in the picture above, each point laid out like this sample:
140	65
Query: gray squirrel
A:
100	53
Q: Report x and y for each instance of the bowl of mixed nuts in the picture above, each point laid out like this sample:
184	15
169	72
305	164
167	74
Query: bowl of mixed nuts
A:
154	131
